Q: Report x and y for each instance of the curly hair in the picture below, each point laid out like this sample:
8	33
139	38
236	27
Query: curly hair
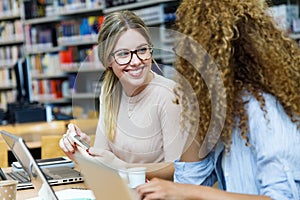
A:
252	54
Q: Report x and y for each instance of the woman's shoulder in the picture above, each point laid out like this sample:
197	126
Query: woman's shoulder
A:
270	102
163	81
262	114
250	99
271	119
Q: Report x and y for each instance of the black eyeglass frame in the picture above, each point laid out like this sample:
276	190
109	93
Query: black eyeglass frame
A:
149	47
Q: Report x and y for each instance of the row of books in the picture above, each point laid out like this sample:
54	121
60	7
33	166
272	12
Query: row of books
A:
51	89
49	33
9	7
78	54
51	64
284	15
112	3
47	89
40	8
40	35
6	78
7	97
73	58
34	9
48	64
11	28
84	26
77	4
10	54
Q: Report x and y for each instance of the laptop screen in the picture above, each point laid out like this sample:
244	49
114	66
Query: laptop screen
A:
103	180
23	155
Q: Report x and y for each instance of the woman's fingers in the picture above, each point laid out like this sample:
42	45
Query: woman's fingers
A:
76	129
66	144
160	189
69	143
149	187
85	137
67	147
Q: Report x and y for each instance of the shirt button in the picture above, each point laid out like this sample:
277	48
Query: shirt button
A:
286	168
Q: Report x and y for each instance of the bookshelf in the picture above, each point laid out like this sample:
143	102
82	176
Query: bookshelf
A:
11	49
62	37
60	55
286	14
60	40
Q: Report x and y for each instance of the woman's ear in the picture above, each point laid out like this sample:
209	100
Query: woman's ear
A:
110	62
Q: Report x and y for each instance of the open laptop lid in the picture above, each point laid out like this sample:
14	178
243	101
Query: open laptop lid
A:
105	182
21	152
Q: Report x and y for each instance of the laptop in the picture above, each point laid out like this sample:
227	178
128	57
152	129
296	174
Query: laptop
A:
33	175
104	181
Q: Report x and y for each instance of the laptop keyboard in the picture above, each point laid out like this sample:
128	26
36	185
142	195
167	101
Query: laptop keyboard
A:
22	176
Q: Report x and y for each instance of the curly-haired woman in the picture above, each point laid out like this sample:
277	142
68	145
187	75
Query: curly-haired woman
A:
257	83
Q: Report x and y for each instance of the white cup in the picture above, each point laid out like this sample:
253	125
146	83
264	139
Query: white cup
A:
8	190
124	175
136	176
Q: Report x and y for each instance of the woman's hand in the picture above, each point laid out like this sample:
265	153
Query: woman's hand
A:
162	189
67	144
108	158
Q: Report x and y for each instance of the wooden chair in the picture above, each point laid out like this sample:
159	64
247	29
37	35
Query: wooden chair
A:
3	154
3	146
50	146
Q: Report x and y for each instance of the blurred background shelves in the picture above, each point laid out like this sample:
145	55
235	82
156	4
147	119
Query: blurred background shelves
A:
58	40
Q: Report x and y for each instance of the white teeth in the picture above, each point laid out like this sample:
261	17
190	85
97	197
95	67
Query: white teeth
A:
135	72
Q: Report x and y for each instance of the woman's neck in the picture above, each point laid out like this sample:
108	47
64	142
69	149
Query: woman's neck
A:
133	91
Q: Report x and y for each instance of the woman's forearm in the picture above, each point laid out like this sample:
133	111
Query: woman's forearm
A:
162	189
165	171
209	193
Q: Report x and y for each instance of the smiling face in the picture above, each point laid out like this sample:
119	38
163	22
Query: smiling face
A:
135	75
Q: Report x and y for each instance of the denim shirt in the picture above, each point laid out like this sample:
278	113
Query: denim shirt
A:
270	166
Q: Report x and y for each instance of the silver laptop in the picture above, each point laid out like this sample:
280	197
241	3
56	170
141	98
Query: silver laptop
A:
33	175
104	181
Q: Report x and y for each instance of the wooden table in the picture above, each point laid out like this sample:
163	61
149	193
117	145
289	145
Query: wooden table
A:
31	193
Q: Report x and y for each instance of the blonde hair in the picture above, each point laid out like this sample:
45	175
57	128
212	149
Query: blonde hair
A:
113	26
251	53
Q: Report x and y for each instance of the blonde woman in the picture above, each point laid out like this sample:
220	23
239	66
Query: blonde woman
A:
257	155
139	123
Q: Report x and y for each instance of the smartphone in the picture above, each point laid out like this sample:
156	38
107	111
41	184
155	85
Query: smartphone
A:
79	141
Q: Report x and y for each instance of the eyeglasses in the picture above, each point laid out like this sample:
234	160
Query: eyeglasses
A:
124	56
